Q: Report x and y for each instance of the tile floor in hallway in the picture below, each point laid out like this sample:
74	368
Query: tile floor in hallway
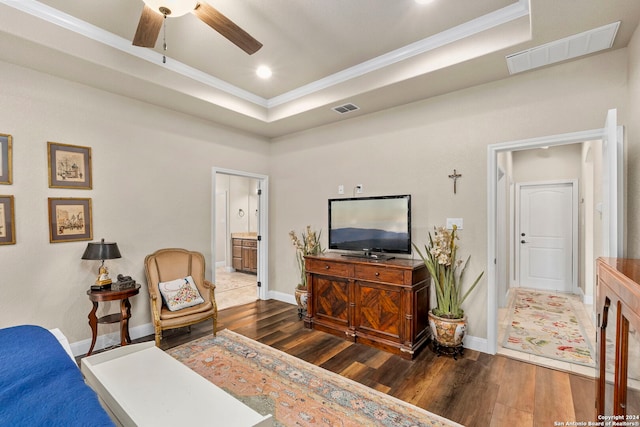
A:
234	288
585	315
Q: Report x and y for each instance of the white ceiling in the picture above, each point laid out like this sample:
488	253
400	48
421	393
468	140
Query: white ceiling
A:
375	54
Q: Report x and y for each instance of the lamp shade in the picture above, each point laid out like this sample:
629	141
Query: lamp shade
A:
101	250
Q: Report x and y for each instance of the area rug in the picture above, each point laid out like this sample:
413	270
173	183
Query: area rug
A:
296	392
545	324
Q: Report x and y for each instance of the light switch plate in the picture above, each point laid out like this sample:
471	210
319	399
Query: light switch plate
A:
454	221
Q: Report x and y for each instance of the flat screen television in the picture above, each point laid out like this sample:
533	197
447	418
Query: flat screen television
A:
374	226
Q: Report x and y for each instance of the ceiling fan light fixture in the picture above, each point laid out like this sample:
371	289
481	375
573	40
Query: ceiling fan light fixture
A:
177	7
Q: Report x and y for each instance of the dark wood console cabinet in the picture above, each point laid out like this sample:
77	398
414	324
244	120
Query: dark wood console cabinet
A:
618	346
379	303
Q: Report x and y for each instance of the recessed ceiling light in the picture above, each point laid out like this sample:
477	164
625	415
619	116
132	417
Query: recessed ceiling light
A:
264	72
423	1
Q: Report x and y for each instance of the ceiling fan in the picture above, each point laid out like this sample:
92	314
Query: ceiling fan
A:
156	11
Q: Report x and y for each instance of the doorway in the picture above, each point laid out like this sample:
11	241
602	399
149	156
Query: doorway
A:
611	206
546	240
239	236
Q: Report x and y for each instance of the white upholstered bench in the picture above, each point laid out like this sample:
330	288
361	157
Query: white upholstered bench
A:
140	385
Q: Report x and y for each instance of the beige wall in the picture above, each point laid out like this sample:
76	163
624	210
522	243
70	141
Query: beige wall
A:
554	163
412	149
632	132
151	189
152	173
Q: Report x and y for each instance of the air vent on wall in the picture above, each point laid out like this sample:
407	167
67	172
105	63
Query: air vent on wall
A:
345	108
561	50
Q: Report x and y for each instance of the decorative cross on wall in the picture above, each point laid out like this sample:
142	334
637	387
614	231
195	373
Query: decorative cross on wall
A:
454	176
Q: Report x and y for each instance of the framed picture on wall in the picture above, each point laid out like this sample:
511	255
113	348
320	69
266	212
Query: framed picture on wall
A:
69	166
69	220
5	159
7	221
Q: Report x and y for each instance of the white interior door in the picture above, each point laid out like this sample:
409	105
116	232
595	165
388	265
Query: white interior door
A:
546	235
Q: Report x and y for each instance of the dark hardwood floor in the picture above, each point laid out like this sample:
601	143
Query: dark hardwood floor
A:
476	390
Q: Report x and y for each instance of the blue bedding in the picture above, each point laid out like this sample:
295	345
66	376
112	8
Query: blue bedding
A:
40	385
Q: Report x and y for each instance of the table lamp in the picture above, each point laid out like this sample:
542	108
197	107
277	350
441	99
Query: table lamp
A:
100	251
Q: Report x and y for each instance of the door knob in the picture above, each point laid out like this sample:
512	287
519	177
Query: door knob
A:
523	241
523	234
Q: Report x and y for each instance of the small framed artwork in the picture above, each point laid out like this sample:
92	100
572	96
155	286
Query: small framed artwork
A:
69	220
5	159
7	221
69	166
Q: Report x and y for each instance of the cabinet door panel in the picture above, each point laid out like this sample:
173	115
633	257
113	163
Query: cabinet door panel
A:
379	308
331	298
250	259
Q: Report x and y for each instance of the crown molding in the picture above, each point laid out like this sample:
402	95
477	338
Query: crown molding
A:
462	31
499	17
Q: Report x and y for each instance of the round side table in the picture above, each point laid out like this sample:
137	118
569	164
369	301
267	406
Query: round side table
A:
123	316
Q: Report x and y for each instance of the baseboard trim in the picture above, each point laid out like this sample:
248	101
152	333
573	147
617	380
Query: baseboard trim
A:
281	296
476	343
80	348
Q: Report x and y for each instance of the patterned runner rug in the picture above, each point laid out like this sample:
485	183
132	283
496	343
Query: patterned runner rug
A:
297	393
545	324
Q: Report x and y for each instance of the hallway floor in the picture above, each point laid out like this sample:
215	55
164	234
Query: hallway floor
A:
234	288
585	316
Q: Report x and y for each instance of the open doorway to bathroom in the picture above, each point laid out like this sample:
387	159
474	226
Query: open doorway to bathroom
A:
238	242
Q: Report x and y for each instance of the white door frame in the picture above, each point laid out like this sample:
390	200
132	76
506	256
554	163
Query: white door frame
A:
492	178
263	225
574	228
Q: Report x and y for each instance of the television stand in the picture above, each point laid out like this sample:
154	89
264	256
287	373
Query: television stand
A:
383	304
370	255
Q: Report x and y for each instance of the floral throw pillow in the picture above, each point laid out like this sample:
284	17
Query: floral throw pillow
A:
180	293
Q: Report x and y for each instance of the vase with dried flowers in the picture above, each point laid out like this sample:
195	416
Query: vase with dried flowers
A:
307	244
447	320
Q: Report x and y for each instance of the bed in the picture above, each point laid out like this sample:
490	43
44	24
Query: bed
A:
41	385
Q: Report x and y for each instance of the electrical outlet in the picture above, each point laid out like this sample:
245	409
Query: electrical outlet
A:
359	189
340	189
454	221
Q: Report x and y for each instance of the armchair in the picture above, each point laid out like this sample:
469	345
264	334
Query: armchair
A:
169	264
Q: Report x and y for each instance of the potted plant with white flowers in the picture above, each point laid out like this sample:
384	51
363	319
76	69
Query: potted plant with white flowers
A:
307	244
447	320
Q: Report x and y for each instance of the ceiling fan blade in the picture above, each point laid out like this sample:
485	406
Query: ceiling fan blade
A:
148	28
236	35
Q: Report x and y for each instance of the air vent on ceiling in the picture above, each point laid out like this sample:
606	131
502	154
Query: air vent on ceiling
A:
345	108
561	50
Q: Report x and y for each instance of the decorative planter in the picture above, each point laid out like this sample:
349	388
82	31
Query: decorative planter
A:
302	296
447	334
